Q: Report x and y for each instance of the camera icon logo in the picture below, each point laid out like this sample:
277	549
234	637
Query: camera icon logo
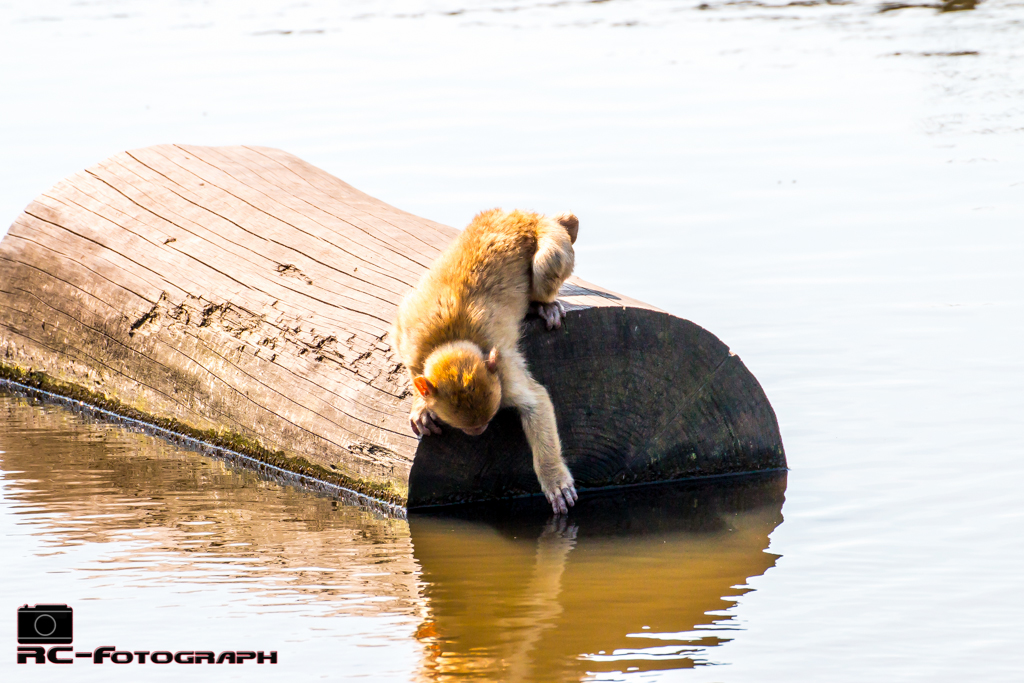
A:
44	624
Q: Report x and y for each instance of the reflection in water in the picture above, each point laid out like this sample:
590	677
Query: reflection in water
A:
945	6
639	580
167	515
958	5
627	583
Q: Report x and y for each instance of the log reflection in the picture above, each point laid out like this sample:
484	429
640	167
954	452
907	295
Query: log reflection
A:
505	593
635	580
162	515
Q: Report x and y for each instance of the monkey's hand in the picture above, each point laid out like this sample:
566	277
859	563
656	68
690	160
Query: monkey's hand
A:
422	419
551	313
560	491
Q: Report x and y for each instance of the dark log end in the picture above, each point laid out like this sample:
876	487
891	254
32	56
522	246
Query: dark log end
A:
641	396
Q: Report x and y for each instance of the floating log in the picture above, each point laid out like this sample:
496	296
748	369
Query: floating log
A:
244	297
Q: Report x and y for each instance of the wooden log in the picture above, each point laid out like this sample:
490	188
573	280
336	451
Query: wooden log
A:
243	296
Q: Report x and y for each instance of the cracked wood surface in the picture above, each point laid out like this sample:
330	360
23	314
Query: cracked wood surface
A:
244	291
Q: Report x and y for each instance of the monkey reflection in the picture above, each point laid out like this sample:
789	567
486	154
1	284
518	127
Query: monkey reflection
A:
530	616
516	595
553	548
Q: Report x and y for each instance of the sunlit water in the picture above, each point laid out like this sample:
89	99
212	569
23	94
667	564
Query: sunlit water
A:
158	548
835	191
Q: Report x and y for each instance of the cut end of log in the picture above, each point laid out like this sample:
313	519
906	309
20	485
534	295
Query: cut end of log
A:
640	396
241	292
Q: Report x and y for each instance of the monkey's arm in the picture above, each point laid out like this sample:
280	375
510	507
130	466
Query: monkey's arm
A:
538	416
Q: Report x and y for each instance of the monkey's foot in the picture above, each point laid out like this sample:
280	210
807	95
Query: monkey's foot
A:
562	496
423	421
551	313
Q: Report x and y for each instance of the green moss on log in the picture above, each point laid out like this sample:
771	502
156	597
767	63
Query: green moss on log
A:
227	440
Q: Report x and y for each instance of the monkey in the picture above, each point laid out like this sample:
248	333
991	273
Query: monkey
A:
458	333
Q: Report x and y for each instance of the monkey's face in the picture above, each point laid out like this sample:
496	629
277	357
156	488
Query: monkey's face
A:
468	404
461	387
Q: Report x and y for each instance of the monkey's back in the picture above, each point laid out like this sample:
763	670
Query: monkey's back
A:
478	289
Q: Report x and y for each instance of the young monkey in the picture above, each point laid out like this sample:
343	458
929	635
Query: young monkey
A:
458	333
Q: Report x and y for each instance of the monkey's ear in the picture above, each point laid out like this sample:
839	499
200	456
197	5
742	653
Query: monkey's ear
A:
492	361
570	223
424	386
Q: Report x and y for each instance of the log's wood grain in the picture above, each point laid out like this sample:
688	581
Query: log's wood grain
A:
242	293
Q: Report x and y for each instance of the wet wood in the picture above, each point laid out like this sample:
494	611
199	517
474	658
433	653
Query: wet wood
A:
242	291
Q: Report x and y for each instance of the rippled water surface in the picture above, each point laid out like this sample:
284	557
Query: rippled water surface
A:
159	548
836	189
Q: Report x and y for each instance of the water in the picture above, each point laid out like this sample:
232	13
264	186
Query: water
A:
834	191
159	548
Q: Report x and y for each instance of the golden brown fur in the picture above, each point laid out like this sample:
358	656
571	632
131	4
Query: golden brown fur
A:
458	332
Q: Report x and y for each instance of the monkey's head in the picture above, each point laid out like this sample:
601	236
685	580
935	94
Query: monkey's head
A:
461	386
